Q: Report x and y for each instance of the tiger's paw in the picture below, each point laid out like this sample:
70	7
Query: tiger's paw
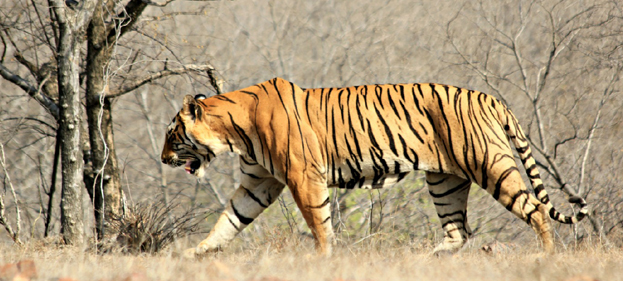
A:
447	249
443	253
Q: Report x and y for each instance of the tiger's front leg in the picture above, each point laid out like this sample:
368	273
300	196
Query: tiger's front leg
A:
250	199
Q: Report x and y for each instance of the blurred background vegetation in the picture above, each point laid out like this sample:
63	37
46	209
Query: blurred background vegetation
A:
556	63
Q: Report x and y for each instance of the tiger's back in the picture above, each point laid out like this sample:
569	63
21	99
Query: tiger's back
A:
373	135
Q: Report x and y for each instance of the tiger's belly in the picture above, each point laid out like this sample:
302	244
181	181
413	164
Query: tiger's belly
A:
368	174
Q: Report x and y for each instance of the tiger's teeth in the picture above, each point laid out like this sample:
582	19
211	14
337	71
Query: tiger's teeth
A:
188	169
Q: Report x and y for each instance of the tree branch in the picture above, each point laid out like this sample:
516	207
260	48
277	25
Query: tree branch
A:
49	42
31	66
4	48
35	93
607	92
160	74
153	3
171	15
125	20
216	83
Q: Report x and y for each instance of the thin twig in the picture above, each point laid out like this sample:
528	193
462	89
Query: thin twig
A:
160	74
35	93
607	92
3	221
216	83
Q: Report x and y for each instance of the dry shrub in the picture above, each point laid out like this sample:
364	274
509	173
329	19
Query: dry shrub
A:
151	227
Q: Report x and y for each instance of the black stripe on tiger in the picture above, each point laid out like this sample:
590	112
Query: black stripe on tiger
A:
249	174
285	109
245	138
461	213
233	224
324	203
458	188
392	104
326	220
241	218
515	197
388	131
498	184
410	122
223	98
259	202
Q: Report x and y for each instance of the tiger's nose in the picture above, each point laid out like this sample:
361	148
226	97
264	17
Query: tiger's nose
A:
165	160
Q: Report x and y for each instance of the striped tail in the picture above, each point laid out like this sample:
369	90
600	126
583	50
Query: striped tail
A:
516	134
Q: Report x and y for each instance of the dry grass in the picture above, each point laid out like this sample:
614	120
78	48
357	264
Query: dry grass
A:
290	259
151	227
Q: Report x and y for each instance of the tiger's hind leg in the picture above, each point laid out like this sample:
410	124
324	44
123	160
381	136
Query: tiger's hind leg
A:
506	186
450	194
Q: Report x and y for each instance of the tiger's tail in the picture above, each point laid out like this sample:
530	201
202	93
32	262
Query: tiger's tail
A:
516	134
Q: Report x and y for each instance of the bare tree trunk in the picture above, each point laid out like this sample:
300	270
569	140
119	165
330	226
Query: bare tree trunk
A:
69	120
71	26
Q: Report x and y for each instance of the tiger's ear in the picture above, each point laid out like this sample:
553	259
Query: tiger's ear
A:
191	108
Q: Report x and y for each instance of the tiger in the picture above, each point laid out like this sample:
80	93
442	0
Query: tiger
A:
366	137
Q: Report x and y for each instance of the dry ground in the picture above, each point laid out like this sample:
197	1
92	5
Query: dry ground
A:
290	260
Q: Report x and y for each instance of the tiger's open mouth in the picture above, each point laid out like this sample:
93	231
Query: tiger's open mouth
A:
192	166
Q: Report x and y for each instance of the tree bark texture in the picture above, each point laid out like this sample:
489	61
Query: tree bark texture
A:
103	182
72	226
103	185
71	26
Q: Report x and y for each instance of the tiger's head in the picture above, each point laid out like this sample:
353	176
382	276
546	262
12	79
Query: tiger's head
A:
189	140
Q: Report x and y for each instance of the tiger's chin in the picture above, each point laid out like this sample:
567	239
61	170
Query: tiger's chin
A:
195	167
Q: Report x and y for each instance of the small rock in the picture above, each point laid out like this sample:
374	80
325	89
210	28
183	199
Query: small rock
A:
581	278
20	271
496	247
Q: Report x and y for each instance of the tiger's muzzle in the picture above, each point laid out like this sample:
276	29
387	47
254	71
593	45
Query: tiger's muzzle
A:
190	165
172	161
